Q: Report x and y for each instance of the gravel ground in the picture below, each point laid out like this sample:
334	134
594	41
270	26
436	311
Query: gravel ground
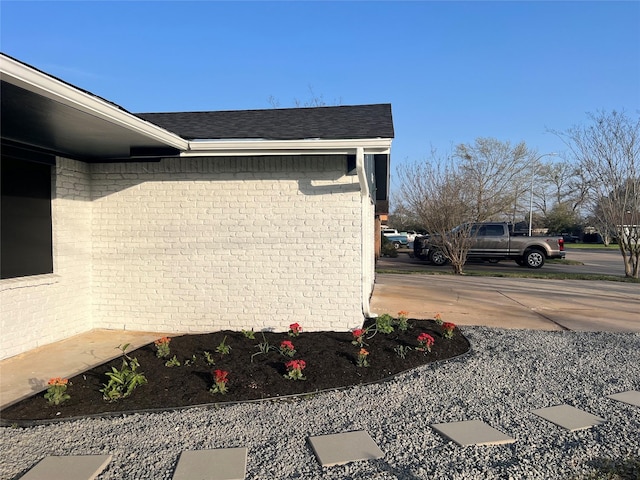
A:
507	374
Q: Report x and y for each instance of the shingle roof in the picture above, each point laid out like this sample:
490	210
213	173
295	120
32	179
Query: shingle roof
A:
331	123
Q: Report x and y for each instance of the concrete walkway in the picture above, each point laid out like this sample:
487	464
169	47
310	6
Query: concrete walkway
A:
23	375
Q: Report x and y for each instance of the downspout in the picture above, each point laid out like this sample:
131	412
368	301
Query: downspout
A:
365	199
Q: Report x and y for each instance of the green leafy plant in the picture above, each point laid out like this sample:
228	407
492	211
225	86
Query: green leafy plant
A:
402	351
223	348
362	358
57	391
174	362
294	370
208	357
402	321
162	346
123	382
190	361
263	348
384	324
219	382
250	334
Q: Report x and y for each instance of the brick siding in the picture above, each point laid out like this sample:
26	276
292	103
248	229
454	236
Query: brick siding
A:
195	245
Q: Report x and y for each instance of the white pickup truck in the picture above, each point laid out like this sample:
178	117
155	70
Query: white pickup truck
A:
494	241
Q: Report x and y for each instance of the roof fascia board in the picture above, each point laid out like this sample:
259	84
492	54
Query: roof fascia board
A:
42	84
286	147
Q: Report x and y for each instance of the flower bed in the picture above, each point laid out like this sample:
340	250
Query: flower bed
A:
245	368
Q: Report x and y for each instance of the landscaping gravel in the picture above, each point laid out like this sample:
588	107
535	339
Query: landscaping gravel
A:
507	374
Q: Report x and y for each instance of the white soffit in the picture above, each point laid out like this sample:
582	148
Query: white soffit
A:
40	83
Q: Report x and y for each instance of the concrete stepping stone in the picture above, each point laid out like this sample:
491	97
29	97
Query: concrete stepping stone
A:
632	397
217	464
472	432
569	417
341	448
70	467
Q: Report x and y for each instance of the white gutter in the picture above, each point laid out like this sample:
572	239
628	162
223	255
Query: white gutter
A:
38	82
365	199
232	148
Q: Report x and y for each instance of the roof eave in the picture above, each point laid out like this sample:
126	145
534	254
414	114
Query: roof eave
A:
40	83
201	148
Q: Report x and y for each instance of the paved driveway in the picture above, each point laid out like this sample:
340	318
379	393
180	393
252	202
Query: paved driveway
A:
512	303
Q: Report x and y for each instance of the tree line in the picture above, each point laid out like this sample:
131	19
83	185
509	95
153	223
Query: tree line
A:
595	183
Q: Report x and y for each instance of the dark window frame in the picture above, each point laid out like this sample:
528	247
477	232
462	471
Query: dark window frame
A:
26	225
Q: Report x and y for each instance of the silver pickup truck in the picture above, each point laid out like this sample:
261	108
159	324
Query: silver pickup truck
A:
494	241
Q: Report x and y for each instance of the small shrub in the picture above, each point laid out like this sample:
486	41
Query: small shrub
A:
223	348
250	334
402	321
174	362
162	345
384	323
57	391
123	382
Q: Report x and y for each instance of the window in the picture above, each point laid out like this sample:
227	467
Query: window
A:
25	218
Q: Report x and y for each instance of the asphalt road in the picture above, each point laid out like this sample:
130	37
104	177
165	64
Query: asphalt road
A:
528	303
600	262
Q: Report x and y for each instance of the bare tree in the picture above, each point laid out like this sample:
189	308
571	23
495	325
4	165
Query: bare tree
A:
608	150
560	194
494	173
435	192
480	182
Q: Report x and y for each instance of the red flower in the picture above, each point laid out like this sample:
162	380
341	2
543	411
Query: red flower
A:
425	340
358	332
287	345
295	365
162	341
448	326
221	376
295	328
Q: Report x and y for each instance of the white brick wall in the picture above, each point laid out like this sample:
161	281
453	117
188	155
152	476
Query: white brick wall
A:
195	245
42	309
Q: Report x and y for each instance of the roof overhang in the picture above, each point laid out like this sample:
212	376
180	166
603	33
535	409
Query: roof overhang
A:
201	148
42	112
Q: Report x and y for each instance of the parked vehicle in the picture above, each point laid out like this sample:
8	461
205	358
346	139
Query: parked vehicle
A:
495	241
389	231
399	240
411	235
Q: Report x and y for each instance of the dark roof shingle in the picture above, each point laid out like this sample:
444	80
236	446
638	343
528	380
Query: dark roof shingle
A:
330	123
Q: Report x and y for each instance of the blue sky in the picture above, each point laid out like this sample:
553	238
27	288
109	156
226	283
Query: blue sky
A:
453	71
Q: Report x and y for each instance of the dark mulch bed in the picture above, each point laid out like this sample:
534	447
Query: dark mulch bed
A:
330	363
